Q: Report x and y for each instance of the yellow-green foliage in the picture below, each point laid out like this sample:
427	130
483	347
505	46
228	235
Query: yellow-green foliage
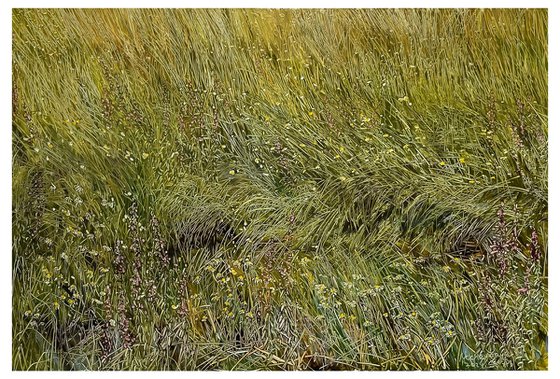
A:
280	189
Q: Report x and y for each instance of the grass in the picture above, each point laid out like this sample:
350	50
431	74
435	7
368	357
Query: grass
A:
279	189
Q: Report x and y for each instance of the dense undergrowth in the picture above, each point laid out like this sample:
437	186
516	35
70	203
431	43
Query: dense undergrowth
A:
280	189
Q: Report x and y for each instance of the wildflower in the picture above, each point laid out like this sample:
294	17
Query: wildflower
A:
231	172
304	261
320	287
46	272
534	246
442	163
56	305
405	337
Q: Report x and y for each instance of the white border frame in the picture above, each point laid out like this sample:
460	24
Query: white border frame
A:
6	159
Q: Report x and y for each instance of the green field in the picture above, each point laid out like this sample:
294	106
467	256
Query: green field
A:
280	189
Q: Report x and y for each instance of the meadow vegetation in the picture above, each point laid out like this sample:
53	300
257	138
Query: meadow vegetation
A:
279	189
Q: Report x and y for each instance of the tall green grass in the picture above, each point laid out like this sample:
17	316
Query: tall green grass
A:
280	189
